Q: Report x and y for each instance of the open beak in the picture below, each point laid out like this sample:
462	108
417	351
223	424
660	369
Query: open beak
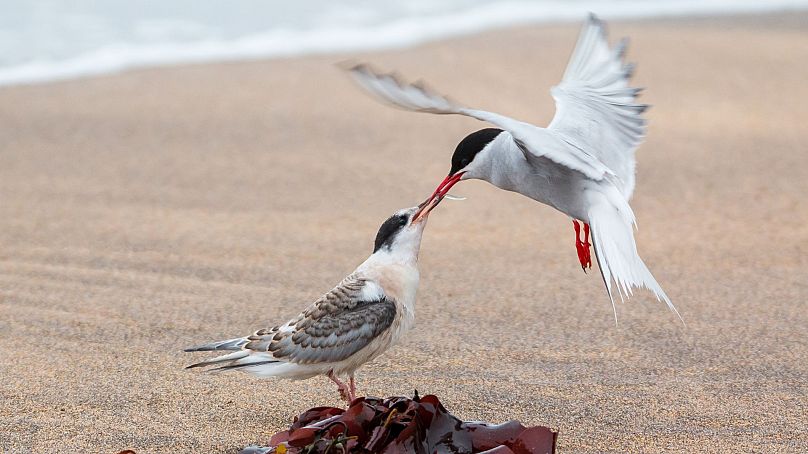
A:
436	197
424	209
445	185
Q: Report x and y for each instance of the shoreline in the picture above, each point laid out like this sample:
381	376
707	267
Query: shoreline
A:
103	62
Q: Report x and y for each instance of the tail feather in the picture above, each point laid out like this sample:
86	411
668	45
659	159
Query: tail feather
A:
240	364
241	354
611	220
230	344
238	358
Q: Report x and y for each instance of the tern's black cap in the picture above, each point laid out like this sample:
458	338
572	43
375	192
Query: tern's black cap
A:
388	230
468	148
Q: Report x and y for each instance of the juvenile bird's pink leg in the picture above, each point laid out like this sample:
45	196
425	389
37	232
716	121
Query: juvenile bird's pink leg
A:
344	390
352	386
582	247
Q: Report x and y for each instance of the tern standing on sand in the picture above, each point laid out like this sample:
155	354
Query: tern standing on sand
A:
582	164
355	322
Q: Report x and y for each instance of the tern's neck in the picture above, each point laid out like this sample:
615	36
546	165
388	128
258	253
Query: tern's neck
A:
399	256
501	164
403	252
397	273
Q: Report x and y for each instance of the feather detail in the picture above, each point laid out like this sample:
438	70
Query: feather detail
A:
344	321
220	359
621	267
535	142
596	109
230	344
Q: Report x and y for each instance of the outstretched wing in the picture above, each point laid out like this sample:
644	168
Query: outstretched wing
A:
596	109
342	322
535	142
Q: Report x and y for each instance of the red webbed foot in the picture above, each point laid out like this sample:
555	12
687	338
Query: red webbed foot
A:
582	247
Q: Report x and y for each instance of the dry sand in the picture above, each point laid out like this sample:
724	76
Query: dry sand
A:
145	212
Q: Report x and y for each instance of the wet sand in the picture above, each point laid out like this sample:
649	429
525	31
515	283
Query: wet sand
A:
153	210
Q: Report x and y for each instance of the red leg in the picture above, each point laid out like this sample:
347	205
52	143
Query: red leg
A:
344	390
587	244
352	387
582	247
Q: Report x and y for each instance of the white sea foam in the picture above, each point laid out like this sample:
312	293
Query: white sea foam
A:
316	28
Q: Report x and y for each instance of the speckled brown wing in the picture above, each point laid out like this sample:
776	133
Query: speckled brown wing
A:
339	324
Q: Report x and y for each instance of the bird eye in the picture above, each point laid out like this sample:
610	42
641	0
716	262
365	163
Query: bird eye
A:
464	162
403	221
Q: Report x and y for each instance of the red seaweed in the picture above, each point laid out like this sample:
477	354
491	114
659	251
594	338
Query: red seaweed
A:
399	425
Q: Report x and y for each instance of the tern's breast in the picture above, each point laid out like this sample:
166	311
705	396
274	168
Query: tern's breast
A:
539	178
400	284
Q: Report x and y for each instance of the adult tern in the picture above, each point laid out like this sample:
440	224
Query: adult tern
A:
582	164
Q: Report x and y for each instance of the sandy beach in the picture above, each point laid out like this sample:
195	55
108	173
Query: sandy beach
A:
149	211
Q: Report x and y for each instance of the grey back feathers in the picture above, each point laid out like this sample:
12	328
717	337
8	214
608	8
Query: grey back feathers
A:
333	328
336	326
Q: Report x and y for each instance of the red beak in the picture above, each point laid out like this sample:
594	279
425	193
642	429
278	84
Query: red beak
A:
424	209
436	197
447	183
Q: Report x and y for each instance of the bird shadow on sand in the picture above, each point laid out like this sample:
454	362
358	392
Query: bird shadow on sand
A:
402	425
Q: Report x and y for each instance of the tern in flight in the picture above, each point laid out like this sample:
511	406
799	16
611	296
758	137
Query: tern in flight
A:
358	320
582	164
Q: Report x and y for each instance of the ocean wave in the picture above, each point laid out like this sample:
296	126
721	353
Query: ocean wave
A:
348	37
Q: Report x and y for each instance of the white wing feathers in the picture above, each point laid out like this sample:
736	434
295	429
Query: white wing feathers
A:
596	109
533	140
597	125
416	97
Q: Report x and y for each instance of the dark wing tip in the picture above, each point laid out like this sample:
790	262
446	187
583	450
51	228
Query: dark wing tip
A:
421	85
629	69
239	366
366	69
595	21
346	64
621	47
360	69
201	348
351	65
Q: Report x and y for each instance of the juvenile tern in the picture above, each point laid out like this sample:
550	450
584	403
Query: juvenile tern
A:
358	320
582	164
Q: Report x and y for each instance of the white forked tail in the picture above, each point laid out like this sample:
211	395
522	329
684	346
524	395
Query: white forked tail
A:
611	221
